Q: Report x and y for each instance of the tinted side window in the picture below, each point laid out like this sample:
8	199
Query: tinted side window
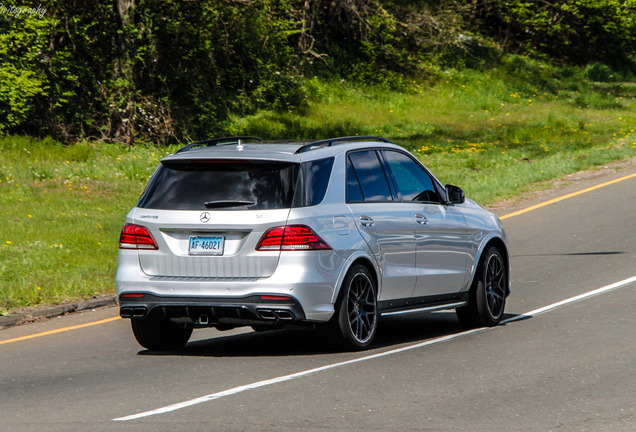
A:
371	178
313	182
413	182
223	185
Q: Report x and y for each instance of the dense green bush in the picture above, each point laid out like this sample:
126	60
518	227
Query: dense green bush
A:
23	85
169	70
599	72
572	31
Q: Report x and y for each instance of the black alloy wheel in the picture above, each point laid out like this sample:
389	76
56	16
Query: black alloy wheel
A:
495	285
487	297
355	320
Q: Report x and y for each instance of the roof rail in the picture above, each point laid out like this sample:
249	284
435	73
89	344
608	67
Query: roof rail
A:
219	141
340	140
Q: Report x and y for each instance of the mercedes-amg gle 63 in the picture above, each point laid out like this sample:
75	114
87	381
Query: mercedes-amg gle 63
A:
331	234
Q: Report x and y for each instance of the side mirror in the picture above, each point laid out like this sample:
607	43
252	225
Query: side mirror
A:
455	194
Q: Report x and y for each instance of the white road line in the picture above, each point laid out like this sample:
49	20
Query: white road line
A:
296	375
301	374
572	300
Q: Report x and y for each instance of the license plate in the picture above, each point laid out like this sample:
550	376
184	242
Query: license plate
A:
206	245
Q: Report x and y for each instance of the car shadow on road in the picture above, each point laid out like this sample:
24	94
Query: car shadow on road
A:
392	332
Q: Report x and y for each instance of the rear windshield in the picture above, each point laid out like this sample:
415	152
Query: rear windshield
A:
231	185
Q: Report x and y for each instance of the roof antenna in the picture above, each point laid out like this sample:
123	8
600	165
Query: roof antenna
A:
239	146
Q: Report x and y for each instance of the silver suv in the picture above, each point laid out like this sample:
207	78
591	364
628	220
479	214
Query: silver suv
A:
334	234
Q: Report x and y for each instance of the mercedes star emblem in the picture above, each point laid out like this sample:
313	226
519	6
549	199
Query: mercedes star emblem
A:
205	217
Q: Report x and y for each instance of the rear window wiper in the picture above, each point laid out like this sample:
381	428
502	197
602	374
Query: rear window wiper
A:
227	203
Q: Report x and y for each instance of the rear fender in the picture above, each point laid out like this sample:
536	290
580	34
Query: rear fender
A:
366	259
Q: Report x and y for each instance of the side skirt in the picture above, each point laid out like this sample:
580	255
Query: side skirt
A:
422	304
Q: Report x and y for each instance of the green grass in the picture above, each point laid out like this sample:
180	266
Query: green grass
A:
61	210
495	133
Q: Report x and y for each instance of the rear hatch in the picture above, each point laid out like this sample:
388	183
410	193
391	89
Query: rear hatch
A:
207	216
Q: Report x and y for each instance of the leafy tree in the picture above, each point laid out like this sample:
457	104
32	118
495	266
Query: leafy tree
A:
166	70
23	51
572	31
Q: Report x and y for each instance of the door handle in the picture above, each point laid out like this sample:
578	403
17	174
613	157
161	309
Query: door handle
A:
420	219
366	221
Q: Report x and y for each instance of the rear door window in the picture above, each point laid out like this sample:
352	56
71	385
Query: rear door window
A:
366	179
221	185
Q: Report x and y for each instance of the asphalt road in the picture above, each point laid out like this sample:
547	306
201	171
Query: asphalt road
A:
568	367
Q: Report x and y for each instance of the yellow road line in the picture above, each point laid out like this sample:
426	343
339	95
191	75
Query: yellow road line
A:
526	210
564	197
64	329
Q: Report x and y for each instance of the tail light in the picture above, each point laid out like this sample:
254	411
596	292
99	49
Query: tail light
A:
291	238
136	237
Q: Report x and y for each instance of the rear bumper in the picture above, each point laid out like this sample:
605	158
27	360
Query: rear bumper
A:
211	311
309	279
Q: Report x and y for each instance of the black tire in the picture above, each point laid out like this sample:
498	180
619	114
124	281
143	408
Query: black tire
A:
161	335
487	297
355	320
